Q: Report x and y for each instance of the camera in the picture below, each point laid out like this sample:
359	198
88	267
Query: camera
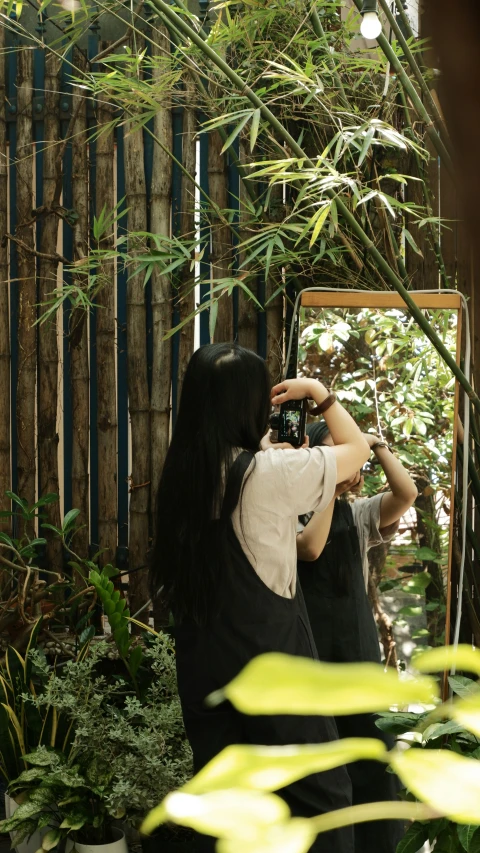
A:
289	423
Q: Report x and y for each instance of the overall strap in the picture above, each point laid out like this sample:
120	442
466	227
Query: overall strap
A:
234	485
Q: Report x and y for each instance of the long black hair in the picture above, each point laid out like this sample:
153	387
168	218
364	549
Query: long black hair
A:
224	406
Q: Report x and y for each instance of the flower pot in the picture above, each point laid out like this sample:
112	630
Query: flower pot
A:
119	845
30	845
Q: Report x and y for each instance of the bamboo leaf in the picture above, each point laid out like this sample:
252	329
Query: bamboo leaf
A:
233	135
319	221
411	241
254	128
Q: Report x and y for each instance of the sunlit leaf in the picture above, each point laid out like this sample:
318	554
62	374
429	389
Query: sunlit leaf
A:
275	683
296	836
448	782
437	660
221	813
269	768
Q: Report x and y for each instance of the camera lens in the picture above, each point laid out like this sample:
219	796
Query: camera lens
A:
275	421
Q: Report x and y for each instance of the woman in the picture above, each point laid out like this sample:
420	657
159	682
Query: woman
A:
225	554
333	570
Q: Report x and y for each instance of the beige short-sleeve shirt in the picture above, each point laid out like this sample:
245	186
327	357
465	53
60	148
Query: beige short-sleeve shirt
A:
279	486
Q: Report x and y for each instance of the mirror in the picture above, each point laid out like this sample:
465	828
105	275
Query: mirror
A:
369	350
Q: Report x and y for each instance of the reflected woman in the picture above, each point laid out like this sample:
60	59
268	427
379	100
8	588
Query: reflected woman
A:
333	572
225	555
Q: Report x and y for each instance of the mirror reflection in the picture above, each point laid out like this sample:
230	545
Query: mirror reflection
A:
393	382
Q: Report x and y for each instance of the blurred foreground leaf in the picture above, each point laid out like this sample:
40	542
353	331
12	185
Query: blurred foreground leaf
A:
448	782
275	683
269	768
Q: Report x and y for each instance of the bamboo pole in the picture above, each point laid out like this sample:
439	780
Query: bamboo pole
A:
138	395
5	475
48	355
105	342
247	311
186	293
167	12
418	106
221	246
416	71
274	305
27	313
78	327
160	221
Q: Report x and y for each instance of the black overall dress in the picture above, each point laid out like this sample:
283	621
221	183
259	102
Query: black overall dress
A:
344	631
253	619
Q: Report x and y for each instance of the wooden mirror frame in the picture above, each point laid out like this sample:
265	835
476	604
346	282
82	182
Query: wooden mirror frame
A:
314	298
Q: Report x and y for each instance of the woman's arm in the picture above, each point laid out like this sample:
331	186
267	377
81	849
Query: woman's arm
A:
351	449
403	490
313	538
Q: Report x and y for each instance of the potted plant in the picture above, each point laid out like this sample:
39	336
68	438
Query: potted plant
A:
121	752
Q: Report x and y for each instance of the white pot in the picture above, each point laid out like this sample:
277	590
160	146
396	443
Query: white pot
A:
117	846
32	844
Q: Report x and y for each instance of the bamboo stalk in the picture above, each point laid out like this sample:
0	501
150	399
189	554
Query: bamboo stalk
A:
186	293
166	11
139	402
105	343
247	311
5	474
412	62
221	246
160	222
48	355
274	305
27	313
78	327
418	106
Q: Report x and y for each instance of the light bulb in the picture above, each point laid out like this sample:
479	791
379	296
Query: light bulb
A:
370	27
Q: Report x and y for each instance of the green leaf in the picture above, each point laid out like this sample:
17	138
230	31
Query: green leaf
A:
447	782
276	683
219	813
463	686
70	518
51	839
296	836
466	835
269	768
443	658
318	222
426	554
437	730
233	135
412	242
254	128
414	839
135	659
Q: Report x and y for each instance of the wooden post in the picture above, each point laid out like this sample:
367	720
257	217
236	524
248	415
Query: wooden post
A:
247	310
221	247
187	226
5	475
48	356
138	396
160	221
105	319
78	331
27	312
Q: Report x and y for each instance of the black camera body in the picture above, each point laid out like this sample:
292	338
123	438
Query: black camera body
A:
288	425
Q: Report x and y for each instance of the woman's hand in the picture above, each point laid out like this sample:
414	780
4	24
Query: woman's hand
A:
267	444
298	389
371	438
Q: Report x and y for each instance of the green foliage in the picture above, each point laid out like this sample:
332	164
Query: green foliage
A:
119	755
235	790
